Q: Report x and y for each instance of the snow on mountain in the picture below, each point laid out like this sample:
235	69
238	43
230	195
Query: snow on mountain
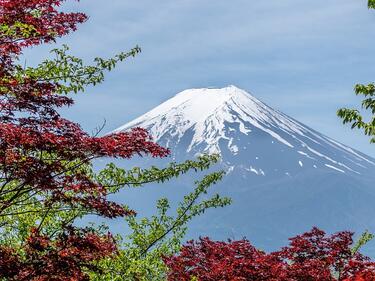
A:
283	176
232	122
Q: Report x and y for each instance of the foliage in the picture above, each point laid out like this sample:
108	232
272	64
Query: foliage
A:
353	116
310	256
69	72
46	179
140	257
15	227
362	241
59	259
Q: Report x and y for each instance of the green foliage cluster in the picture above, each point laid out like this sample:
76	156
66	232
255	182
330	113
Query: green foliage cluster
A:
70	72
354	117
17	29
362	241
17	222
140	257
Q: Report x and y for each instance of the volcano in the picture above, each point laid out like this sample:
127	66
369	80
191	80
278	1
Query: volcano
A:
283	176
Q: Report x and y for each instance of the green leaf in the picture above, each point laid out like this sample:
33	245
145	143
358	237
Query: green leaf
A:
362	241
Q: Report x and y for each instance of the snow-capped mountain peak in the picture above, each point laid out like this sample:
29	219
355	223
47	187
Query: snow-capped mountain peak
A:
282	176
232	122
206	110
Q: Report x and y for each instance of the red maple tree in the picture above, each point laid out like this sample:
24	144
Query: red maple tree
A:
41	153
310	256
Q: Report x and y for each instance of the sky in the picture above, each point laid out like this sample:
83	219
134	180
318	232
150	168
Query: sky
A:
300	57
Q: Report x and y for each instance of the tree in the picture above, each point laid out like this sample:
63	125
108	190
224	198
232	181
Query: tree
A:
310	256
46	176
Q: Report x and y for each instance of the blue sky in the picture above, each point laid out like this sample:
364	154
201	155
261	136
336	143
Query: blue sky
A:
301	57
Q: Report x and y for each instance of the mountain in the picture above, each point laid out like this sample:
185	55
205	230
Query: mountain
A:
283	176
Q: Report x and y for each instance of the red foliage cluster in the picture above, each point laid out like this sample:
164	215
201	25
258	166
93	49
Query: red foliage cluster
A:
61	259
47	23
311	256
41	153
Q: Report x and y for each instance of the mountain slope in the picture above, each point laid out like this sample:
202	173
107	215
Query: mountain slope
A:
234	123
283	176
